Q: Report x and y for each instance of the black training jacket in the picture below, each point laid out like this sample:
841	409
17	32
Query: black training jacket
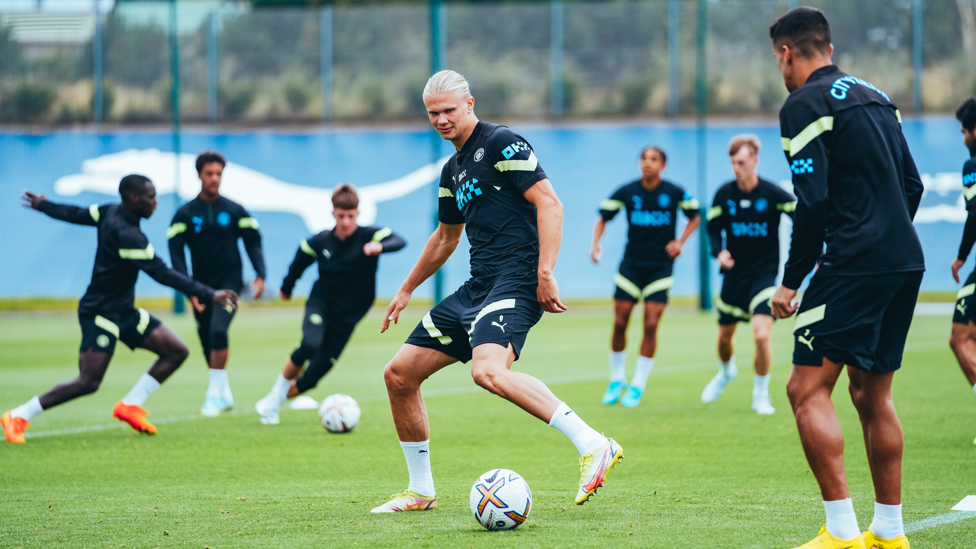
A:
211	230
123	251
856	184
969	192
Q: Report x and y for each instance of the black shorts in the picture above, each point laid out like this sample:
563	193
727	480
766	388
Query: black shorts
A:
861	321
499	309
648	283
212	326
325	333
965	312
743	297
99	332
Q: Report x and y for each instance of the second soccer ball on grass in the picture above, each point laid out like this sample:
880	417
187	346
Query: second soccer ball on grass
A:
339	413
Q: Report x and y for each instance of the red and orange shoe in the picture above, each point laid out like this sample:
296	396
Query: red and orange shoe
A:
14	427
134	416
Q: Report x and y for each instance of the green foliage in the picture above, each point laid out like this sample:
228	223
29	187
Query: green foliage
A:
635	90
10	54
695	475
298	92
29	101
236	97
135	55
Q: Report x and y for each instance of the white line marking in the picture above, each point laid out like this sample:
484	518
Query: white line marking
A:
939	520
967	503
564	380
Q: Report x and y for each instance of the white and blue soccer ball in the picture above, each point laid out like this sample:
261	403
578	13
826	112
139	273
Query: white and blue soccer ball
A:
501	499
339	413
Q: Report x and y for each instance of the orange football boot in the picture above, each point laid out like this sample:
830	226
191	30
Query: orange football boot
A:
14	427
134	416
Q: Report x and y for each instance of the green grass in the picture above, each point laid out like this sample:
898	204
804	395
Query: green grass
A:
695	475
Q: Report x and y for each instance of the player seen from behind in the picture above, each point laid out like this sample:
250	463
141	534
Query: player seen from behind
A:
651	206
210	225
857	192
963	338
107	311
494	189
748	210
348	257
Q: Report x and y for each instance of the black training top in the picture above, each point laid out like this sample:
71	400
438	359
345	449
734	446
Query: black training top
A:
969	192
652	217
854	178
482	186
211	229
751	224
123	250
347	276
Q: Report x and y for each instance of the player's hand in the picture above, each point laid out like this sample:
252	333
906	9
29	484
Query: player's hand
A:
782	302
283	296
548	294
956	265
673	248
32	200
257	288
223	298
372	248
197	306
400	301
725	260
596	254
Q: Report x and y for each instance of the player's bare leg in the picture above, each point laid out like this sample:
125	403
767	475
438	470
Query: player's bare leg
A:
963	343
645	360
761	327
726	341
618	351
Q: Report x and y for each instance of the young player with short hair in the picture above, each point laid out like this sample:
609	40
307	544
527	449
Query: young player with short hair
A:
348	257
652	206
210	225
493	189
857	192
748	210
963	338
107	312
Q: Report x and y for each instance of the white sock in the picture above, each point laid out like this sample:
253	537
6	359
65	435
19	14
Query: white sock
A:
28	409
146	386
760	385
218	380
418	465
618	366
728	367
280	389
841	521
887	523
579	433
644	367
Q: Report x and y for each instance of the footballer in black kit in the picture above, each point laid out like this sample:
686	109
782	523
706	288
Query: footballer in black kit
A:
348	258
963	338
650	205
210	225
107	311
747	211
857	191
495	191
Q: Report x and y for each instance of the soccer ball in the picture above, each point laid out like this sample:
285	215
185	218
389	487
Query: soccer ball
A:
339	413
501	499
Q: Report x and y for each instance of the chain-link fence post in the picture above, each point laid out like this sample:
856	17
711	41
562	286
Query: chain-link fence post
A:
701	92
174	69
213	68
98	68
438	61
556	101
326	62
917	36
674	57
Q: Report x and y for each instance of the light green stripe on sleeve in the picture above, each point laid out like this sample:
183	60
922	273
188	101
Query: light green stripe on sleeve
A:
689	204
713	212
969	192
175	229
518	165
786	207
382	233
811	132
94	213
147	253
307	249
610	205
247	223
444	193
786	143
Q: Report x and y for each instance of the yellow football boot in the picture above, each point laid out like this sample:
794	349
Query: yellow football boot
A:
826	541
871	540
407	501
594	468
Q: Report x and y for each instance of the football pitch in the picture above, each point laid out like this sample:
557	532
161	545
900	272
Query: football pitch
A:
695	475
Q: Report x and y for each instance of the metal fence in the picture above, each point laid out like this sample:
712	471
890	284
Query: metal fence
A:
231	63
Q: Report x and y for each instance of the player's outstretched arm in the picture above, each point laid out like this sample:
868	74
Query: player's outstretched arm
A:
596	250
64	212
304	257
384	241
439	248
550	222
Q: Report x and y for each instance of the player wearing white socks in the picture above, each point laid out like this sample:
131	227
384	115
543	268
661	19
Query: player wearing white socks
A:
651	205
748	211
495	189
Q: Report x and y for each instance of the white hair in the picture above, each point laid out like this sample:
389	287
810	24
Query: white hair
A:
447	81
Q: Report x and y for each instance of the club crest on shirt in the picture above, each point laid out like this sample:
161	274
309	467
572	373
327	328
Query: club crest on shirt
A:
479	154
223	219
761	205
664	200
